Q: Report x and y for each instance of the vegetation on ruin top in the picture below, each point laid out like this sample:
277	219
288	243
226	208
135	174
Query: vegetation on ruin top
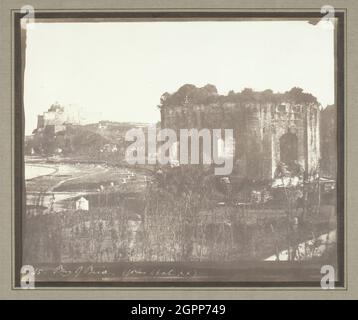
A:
190	94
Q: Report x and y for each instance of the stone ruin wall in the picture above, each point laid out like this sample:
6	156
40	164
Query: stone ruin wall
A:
258	128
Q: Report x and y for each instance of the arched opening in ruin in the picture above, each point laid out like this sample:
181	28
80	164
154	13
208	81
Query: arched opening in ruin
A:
288	148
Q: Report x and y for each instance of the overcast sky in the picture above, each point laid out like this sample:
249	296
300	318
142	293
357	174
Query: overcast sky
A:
118	71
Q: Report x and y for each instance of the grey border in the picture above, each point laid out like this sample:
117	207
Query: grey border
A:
80	16
322	294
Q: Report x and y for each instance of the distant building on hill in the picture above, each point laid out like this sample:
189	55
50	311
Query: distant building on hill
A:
57	116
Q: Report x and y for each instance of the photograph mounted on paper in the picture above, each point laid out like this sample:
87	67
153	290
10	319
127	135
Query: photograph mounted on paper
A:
180	149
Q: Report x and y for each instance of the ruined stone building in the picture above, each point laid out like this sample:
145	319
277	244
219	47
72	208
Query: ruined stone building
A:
269	128
328	128
57	116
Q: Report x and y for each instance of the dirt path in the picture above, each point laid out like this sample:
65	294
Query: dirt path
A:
324	241
33	175
74	178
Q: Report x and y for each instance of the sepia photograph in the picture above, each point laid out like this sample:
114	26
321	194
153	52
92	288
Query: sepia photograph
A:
180	149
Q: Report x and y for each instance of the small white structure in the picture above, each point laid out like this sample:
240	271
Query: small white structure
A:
82	204
58	150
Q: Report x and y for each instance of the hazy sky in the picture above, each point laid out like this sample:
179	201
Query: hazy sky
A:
118	71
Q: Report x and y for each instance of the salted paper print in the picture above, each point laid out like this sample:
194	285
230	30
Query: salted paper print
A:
181	152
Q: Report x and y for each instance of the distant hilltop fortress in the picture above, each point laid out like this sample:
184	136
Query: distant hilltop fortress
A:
270	129
57	116
60	131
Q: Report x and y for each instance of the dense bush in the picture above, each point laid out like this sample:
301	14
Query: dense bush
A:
189	93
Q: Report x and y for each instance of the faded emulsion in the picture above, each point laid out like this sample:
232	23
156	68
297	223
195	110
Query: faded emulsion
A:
232	188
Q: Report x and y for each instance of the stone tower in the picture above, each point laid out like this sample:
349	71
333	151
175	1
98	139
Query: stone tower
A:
269	128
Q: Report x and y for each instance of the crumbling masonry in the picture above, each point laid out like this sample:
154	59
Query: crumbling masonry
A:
269	128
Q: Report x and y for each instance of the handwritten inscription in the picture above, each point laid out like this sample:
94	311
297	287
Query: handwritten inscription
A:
92	271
